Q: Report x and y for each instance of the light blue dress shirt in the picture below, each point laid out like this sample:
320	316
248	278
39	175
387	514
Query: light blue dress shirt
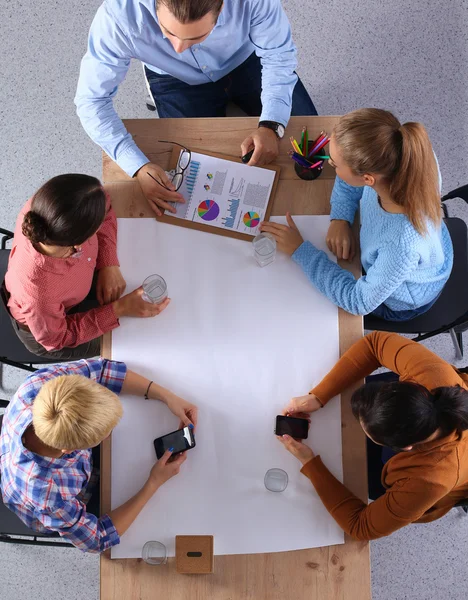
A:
126	29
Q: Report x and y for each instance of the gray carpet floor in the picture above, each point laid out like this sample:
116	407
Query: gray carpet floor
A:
407	57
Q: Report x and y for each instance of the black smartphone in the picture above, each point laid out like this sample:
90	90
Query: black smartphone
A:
181	440
245	159
296	428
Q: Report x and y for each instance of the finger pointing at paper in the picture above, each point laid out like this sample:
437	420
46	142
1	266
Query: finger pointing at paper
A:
288	238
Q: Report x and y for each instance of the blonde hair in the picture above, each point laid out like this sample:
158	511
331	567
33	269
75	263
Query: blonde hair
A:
372	140
72	412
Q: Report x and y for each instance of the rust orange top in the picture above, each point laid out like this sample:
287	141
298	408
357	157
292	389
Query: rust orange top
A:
422	484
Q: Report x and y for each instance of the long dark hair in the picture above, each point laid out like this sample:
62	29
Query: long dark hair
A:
400	414
66	211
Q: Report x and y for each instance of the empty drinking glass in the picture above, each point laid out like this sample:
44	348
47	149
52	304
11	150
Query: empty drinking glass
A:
264	245
154	553
276	480
154	289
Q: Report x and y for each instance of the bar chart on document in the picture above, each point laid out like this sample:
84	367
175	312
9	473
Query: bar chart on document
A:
225	194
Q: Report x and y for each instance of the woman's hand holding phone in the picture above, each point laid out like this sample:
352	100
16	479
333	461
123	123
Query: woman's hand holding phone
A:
184	410
297	448
165	469
299	407
301	404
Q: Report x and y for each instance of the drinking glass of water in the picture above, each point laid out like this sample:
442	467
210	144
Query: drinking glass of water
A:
264	245
154	289
154	553
276	480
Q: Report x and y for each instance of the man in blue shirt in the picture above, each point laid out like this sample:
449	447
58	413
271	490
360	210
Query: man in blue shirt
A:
198	56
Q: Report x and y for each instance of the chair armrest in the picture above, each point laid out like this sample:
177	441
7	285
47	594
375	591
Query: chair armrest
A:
6	235
461	192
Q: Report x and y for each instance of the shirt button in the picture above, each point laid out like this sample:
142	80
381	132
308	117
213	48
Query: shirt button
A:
204	67
89	259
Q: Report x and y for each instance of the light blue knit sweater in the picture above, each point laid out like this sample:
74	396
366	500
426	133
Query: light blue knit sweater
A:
404	269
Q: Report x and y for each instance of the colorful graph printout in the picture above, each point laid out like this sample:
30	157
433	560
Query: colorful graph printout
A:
225	194
208	210
251	219
191	176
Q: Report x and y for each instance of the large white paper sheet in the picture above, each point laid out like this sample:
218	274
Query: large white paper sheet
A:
239	341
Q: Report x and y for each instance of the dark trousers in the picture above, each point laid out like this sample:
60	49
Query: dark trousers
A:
86	350
383	312
377	455
242	86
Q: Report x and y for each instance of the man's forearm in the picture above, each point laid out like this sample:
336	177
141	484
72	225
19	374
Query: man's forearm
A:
103	68
103	125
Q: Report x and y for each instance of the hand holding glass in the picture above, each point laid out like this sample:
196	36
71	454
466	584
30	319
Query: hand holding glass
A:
154	289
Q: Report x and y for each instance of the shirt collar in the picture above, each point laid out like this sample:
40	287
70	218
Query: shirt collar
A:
51	263
221	18
67	460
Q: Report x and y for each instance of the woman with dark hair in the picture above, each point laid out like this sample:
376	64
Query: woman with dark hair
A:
423	418
63	283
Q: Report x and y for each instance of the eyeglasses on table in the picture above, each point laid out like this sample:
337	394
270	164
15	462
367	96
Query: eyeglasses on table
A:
182	165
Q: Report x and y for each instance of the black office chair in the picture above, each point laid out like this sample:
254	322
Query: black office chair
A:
450	312
12	351
13	530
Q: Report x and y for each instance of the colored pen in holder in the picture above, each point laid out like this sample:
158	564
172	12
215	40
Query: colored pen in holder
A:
309	164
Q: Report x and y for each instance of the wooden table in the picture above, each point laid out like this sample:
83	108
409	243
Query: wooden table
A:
331	573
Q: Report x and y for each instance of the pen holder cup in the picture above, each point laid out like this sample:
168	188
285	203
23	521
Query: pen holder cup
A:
303	172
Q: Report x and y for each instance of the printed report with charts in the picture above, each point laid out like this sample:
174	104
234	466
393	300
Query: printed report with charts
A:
225	194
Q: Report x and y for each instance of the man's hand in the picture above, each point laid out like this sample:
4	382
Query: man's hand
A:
288	239
133	305
301	404
110	285
265	144
164	469
157	195
185	411
340	239
297	448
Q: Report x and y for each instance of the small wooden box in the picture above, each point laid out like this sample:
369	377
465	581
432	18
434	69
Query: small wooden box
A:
194	554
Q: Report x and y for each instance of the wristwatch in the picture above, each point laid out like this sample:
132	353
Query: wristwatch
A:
276	127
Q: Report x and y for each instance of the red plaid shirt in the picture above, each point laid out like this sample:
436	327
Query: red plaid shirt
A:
43	288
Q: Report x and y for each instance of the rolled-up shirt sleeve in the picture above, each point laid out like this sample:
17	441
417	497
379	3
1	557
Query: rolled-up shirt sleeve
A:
82	529
109	373
270	33
103	68
54	329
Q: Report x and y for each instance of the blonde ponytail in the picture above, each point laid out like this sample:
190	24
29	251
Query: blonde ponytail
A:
373	141
415	185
